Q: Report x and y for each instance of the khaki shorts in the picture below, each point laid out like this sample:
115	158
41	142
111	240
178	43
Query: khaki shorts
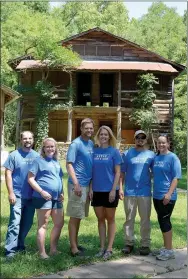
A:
78	207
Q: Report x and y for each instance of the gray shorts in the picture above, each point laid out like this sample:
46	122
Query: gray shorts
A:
78	207
40	203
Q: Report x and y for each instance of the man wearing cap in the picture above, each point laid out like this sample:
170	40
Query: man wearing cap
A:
135	171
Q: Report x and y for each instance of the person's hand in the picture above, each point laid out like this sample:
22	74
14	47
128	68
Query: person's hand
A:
112	195
77	190
46	195
61	197
12	198
90	194
121	195
166	199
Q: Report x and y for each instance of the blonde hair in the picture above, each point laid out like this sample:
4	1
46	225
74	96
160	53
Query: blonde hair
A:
56	154
23	132
112	140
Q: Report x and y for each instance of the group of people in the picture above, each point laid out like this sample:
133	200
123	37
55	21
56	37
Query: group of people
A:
99	174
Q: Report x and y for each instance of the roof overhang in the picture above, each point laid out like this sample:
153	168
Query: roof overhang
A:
105	66
10	94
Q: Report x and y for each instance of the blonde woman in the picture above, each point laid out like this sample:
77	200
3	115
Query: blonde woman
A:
45	177
104	191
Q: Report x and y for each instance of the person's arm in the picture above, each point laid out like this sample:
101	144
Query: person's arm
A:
71	172
167	196
90	191
61	196
121	183
116	181
37	188
9	185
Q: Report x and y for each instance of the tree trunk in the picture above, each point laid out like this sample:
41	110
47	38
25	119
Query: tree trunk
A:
69	132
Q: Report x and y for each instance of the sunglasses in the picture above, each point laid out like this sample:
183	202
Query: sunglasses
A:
141	138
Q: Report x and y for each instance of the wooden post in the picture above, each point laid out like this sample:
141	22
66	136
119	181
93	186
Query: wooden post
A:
18	123
69	132
172	112
119	112
70	109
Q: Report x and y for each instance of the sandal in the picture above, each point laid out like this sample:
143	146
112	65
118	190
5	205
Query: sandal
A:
77	254
107	255
100	253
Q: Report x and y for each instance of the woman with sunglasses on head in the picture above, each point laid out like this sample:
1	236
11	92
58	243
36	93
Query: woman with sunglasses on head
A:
45	177
166	172
104	191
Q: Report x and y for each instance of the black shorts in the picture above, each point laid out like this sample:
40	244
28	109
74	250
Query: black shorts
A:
102	199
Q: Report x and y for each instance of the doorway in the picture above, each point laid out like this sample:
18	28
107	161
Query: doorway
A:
107	123
106	82
83	88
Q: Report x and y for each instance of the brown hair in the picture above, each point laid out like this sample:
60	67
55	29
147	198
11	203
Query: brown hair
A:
112	140
167	139
86	121
21	134
56	154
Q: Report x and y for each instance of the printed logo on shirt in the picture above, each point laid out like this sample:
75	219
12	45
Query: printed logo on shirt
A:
159	164
28	161
139	160
101	157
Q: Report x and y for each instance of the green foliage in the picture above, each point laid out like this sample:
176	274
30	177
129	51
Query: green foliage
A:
180	131
146	94
43	105
10	123
143	114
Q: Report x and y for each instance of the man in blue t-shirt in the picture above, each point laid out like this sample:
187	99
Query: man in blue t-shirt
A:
79	167
135	170
19	194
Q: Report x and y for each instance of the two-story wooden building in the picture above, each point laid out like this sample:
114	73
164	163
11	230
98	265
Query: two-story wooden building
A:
104	85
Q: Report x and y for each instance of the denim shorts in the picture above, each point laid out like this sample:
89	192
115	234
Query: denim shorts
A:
40	203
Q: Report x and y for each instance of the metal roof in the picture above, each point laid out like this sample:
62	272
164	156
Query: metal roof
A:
106	65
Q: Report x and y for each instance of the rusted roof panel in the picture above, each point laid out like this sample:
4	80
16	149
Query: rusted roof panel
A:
106	65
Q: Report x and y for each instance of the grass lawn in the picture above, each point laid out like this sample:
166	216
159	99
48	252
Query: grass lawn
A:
29	265
183	182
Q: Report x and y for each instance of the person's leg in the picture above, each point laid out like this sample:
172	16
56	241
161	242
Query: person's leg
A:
100	214
73	227
58	220
144	209
130	207
28	212
43	216
11	242
110	216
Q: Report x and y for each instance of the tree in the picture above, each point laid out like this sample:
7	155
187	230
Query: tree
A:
143	113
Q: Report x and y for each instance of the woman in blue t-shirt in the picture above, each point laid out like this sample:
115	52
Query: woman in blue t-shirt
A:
166	172
45	177
104	191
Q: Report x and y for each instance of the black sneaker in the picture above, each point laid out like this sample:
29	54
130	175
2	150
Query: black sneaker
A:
144	251
127	249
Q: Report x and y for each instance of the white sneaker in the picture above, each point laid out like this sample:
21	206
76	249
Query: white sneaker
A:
166	255
157	252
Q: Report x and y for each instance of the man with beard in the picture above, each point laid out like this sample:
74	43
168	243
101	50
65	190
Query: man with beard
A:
135	171
19	194
79	168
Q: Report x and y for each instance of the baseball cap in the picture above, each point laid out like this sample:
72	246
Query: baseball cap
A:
139	132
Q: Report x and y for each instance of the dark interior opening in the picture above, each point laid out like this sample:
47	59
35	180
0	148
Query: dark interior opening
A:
83	88
106	88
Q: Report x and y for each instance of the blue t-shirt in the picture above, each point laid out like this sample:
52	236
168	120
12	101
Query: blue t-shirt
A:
136	165
165	169
104	162
48	174
19	163
80	155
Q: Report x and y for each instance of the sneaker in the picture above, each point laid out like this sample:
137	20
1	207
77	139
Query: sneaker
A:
100	253
127	249
144	251
166	255
157	252
107	255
